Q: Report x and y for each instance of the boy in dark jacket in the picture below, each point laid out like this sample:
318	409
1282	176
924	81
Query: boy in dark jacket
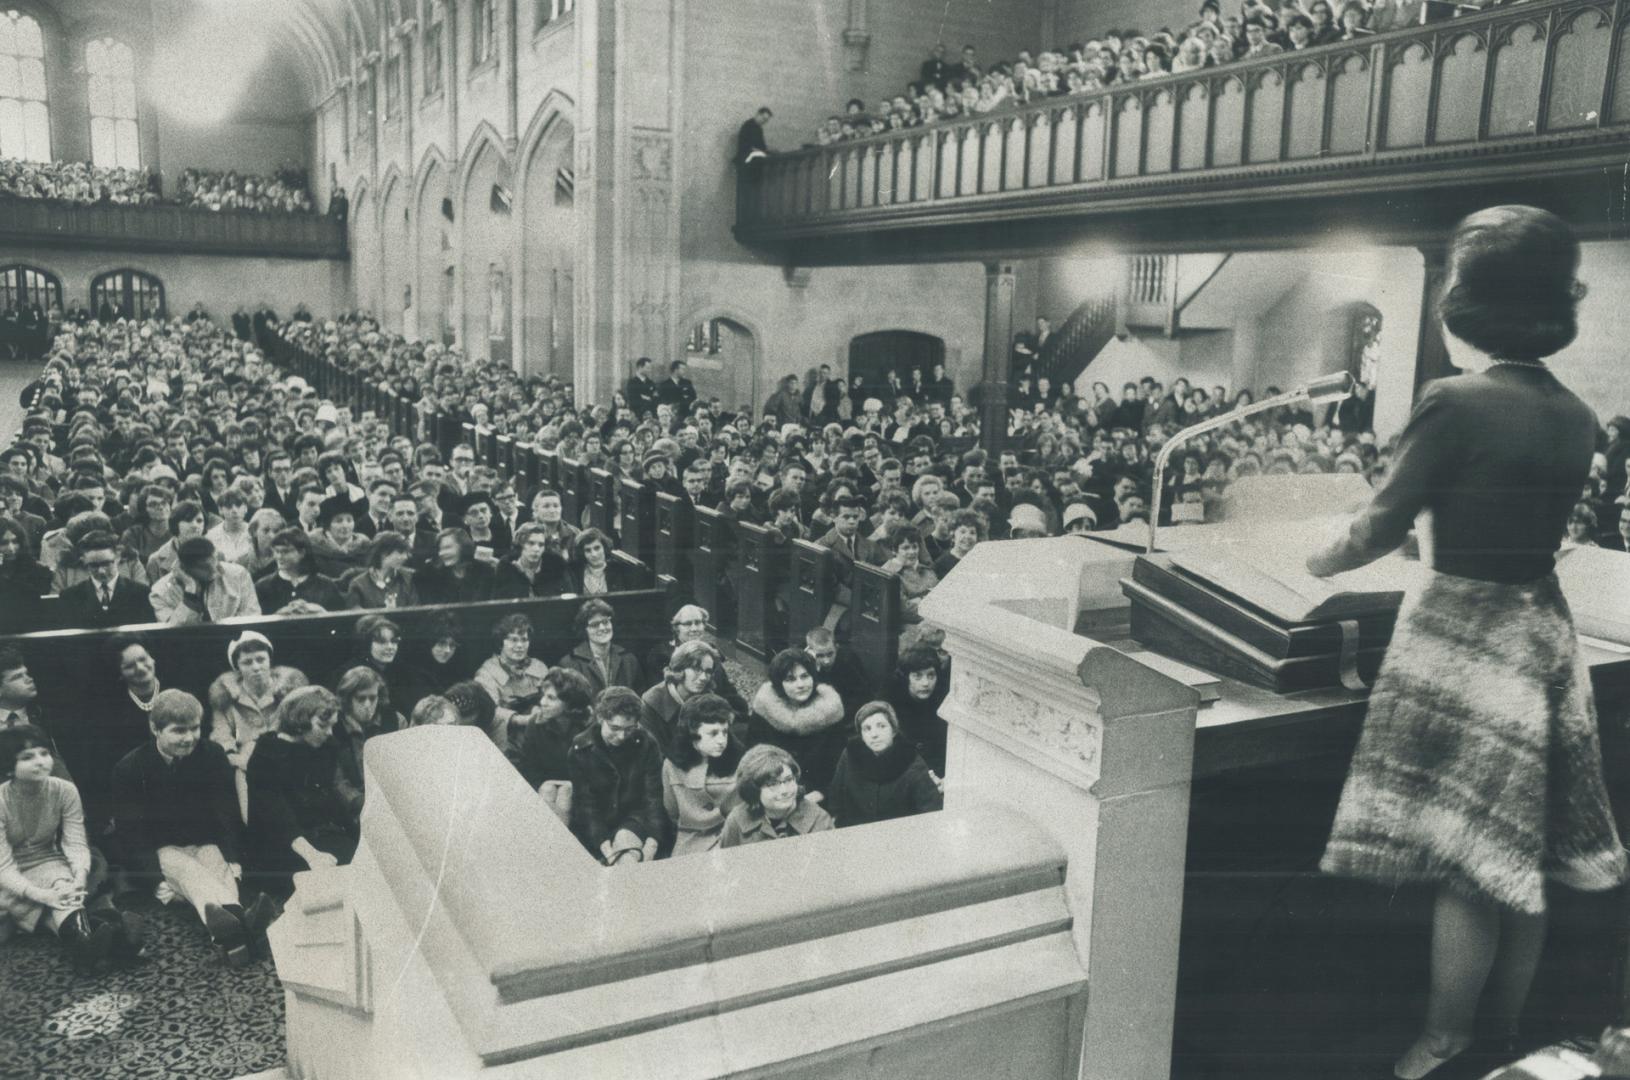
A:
176	819
616	774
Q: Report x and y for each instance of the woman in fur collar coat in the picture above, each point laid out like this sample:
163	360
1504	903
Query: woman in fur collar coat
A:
803	717
880	775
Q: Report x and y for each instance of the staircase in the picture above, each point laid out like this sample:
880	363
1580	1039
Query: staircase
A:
1078	342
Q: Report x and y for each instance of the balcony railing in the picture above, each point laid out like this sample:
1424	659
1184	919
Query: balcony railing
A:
1535	84
171	229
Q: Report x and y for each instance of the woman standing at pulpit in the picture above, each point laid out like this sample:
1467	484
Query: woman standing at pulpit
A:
1479	770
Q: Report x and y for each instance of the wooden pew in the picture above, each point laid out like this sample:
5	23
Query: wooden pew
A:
448	431
549	471
637	519
813	589
569	482
486	446
875	621
525	476
602	504
675	518
761	569
712	556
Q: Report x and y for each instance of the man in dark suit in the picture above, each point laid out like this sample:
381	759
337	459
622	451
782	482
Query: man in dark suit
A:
751	149
935	69
106	598
641	390
280	493
678	391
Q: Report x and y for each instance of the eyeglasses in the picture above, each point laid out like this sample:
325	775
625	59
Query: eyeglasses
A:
100	564
600	624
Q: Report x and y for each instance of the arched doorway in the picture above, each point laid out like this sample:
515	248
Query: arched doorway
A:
128	294
395	269
484	242
722	355
432	293
871	356
365	252
548	249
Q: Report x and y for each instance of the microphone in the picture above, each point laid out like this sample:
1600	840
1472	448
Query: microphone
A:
1321	391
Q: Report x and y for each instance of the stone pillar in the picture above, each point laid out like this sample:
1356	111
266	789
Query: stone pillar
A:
1096	748
628	189
993	384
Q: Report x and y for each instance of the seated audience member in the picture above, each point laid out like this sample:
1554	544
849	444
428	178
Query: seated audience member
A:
243	702
545	511
596	657
23	582
379	646
967	529
915	695
231	535
69	571
439	655
365	711
880	775
837	666
337	547
151	527
615	770
186	521
1026	521
475	707
534	569
114	726
513	677
850	546
795	712
386	582
690	623
106	598
45	859
1079	519
693	669
434	709
301	815
592	571
202	588
456	577
916	579
772	803
543	758
699	773
293	586
20	705
179	829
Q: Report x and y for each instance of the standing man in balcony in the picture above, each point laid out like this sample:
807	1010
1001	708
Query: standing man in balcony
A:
751	149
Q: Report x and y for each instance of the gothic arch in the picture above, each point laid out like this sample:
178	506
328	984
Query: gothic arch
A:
737	381
545	283
859	326
395	247
433	233
486	244
364	248
484	138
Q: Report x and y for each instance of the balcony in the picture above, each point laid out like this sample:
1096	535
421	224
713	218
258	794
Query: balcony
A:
1396	135
186	230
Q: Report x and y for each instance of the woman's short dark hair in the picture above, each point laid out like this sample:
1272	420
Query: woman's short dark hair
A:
690	655
782	665
302	706
511	624
761	766
1510	289
591	609
369	627
574	691
185	511
14	741
582	540
700	710
618	701
387	543
918	658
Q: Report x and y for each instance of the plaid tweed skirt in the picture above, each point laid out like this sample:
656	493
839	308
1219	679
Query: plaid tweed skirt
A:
1479	766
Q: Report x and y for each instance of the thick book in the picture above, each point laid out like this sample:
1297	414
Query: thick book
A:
1277	639
1277	584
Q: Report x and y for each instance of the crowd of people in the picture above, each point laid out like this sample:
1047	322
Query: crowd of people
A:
167	472
949	87
285	191
80	183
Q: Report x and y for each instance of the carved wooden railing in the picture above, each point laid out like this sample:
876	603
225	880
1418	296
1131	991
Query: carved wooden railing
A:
171	228
1538	82
1079	341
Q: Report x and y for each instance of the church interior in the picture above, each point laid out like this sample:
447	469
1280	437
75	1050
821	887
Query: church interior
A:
1132	494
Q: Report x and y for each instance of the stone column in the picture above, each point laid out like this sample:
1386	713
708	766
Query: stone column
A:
993	384
628	189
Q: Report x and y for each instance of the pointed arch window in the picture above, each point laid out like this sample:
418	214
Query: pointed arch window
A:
482	32
548	11
431	46
25	117
393	79
115	136
22	287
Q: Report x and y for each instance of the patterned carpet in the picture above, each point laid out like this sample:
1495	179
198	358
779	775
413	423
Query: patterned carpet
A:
182	1013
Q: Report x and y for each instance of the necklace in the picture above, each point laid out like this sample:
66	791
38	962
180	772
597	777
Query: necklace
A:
144	706
1519	363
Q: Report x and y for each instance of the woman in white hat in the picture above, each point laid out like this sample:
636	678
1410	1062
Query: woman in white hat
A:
243	702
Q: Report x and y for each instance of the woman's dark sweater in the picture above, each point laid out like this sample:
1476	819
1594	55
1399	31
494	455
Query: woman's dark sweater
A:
1500	458
294	790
